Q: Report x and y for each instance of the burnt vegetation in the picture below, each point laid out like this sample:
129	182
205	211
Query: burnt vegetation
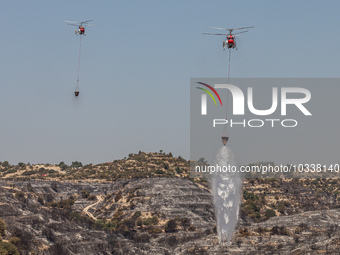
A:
133	207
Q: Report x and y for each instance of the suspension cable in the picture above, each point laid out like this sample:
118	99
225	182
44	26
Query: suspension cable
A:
226	117
77	87
228	81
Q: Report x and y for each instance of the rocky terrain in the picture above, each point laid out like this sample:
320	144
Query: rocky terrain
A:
132	217
159	211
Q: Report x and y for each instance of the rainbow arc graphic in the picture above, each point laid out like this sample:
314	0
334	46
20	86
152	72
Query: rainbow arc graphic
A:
204	97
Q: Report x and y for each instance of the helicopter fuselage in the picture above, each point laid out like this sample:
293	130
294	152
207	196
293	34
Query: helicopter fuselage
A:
80	31
230	42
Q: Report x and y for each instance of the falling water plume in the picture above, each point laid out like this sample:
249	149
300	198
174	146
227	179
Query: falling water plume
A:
226	191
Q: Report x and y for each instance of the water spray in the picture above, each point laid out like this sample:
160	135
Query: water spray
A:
226	191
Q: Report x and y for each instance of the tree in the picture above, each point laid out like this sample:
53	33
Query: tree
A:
201	162
76	164
62	165
21	164
5	164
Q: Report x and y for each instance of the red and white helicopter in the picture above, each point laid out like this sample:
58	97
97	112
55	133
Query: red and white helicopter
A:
81	26
230	41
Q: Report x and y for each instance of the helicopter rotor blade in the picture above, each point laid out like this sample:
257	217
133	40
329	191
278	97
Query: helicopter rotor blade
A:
243	28
213	34
218	28
73	25
71	21
241	32
84	22
231	29
78	23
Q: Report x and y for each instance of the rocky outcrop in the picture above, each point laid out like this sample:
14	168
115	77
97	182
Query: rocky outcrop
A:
133	217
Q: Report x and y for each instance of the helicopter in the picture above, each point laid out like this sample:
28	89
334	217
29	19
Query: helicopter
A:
230	41
81	26
80	31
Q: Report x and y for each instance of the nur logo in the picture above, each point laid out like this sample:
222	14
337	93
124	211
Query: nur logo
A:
204	97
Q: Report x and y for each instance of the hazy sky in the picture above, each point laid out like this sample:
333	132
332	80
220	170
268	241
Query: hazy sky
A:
136	67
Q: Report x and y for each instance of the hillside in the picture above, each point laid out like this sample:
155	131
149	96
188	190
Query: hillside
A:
117	208
141	165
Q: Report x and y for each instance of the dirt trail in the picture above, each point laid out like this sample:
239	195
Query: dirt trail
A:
86	209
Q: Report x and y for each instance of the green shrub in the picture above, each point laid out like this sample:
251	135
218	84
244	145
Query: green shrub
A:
14	240
111	224
100	224
249	196
29	172
155	231
270	213
137	214
151	221
281	208
65	203
178	170
129	223
92	197
10	248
